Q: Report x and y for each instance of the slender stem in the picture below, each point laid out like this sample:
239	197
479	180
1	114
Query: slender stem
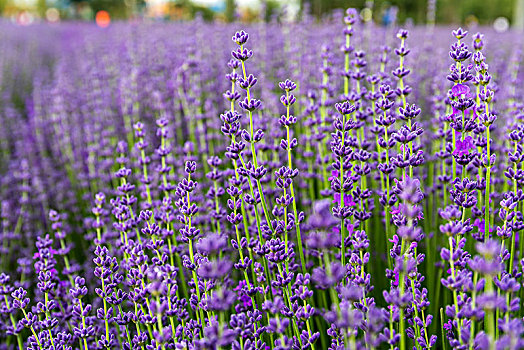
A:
254	153
490	319
13	323
342	199
487	193
295	211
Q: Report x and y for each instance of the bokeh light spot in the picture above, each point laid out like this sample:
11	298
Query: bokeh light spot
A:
102	19
366	14
501	24
52	15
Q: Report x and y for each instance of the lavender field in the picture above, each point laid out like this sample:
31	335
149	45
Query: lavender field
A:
193	185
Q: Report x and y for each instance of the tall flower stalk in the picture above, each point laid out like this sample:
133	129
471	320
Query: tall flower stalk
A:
288	145
250	105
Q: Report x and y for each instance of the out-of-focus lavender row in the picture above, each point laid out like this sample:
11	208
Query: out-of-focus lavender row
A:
309	185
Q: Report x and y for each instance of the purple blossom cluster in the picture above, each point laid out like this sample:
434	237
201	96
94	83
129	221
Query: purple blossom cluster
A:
303	186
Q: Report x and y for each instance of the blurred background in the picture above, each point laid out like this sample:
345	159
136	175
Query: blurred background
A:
503	14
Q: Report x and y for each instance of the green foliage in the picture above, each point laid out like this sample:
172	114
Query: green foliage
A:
116	8
271	9
448	11
203	11
230	10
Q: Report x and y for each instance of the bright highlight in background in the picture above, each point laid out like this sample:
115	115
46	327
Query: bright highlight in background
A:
25	18
501	24
102	19
52	15
366	15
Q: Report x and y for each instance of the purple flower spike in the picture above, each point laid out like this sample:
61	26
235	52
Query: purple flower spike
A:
460	89
463	147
